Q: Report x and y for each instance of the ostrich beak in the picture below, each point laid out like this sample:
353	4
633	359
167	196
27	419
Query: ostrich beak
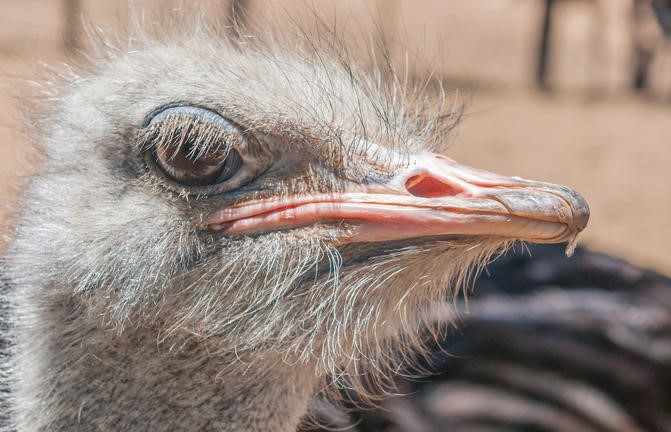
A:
431	196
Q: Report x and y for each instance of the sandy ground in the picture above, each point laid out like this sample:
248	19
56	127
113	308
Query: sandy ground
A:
616	150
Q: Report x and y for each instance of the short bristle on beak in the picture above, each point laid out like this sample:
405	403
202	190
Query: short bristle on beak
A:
431	196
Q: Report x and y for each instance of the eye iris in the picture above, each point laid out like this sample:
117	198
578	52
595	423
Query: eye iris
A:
184	166
193	146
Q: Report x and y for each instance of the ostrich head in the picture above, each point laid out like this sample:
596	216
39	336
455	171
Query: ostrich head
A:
217	220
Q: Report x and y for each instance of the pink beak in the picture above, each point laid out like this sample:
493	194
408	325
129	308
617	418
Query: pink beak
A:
432	196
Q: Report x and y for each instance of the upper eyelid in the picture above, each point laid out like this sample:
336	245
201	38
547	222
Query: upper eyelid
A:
183	114
199	112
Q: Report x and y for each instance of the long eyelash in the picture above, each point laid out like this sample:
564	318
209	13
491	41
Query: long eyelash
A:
207	137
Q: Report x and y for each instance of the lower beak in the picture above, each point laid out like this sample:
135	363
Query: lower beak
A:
432	196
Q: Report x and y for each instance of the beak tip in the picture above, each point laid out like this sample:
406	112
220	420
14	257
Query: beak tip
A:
580	210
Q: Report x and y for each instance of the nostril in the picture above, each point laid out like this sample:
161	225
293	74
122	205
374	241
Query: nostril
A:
426	186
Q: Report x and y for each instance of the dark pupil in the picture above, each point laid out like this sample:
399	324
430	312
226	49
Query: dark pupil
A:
184	165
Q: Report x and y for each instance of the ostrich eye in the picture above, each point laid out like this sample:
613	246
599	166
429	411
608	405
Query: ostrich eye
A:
193	146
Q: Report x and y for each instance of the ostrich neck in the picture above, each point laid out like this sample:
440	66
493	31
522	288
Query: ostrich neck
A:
73	376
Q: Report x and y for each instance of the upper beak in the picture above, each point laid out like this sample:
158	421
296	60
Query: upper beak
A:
431	196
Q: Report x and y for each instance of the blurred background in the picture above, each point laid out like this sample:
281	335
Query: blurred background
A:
576	92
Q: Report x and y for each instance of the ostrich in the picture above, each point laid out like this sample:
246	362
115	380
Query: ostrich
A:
222	224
